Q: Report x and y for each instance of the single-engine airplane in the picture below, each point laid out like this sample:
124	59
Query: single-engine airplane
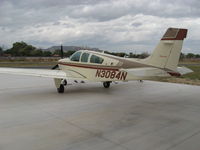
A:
100	67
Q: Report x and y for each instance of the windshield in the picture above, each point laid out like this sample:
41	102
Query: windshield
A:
75	56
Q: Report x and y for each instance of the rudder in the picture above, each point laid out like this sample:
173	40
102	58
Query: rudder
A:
167	52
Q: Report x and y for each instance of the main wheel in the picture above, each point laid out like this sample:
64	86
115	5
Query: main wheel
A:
106	84
61	89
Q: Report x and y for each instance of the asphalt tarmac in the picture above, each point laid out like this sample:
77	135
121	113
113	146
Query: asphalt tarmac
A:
127	116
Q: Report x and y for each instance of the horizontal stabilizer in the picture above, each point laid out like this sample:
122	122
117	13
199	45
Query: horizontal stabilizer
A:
147	72
184	70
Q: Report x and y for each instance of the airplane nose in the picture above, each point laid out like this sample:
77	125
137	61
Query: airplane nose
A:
61	60
64	60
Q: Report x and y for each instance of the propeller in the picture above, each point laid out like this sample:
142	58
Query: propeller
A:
54	67
61	55
61	52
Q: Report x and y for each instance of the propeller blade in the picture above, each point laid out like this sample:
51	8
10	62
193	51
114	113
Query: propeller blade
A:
55	67
61	52
61	55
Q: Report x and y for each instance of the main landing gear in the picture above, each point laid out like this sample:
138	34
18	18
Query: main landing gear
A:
106	84
61	83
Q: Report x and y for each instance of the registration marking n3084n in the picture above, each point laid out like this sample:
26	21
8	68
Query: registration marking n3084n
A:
111	74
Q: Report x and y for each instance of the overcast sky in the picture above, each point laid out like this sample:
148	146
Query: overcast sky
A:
116	25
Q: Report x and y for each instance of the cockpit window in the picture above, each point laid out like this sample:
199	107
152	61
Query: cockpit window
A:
96	59
75	56
84	57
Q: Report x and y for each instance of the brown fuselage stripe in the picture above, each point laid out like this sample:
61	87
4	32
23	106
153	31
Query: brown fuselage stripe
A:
89	66
177	74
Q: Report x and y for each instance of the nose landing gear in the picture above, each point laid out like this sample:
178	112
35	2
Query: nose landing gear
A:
60	84
61	89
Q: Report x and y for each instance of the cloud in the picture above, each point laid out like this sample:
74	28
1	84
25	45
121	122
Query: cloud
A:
111	25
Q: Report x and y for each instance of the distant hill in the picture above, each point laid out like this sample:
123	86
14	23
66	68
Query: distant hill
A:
70	48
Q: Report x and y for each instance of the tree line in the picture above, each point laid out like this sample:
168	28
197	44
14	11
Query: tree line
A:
20	49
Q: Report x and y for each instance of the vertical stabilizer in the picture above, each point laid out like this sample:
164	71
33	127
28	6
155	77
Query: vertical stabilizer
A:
167	52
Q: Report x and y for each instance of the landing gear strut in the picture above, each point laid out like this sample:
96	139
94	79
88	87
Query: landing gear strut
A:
106	84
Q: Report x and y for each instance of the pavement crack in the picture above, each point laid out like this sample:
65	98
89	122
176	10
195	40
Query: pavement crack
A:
89	131
182	141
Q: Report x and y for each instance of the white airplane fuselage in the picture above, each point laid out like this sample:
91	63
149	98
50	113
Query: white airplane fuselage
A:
112	68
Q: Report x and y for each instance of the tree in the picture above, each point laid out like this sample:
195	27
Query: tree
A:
18	49
182	56
57	52
21	49
131	55
144	55
116	54
68	53
37	52
47	54
190	55
197	56
28	50
121	54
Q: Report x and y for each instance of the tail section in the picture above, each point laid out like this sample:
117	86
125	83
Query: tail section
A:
167	52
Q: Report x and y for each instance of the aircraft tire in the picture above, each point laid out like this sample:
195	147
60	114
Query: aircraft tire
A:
106	84
61	89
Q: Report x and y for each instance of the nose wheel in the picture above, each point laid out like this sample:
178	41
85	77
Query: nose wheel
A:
106	84
60	84
61	89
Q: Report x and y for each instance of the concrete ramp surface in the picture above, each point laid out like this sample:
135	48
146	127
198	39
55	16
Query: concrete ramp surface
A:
132	115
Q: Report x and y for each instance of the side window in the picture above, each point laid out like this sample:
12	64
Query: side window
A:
84	57
75	56
96	59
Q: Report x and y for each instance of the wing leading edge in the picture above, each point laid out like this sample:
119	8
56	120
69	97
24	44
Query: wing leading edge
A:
59	74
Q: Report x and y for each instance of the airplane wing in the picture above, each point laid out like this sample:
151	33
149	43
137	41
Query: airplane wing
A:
59	74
